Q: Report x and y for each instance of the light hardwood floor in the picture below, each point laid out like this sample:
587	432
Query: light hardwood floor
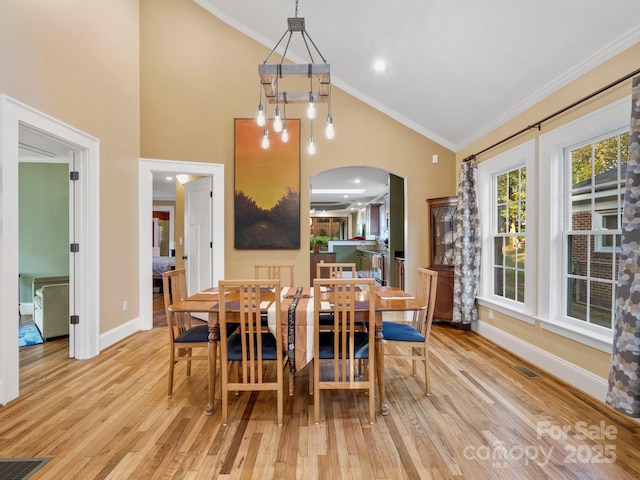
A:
110	418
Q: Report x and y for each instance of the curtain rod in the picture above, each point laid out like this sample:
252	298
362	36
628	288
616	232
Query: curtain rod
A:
539	123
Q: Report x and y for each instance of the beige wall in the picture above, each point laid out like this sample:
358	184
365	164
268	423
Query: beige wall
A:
198	74
78	61
588	358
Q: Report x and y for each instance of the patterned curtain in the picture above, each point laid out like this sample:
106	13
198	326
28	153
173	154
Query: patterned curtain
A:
466	250
624	371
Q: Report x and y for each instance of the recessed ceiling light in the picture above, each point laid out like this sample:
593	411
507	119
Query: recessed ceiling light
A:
357	180
169	178
379	66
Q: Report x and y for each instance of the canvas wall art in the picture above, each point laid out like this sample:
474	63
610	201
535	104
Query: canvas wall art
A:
267	187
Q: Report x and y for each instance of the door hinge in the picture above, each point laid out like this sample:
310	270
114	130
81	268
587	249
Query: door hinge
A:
74	319
74	176
210	244
211	194
74	247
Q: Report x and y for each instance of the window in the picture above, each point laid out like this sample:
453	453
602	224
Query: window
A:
582	172
508	239
324	229
505	202
594	181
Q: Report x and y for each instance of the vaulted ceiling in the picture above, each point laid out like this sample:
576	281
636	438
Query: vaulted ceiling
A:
455	69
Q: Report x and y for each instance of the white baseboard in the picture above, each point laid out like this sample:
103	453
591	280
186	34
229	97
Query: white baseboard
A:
574	375
121	332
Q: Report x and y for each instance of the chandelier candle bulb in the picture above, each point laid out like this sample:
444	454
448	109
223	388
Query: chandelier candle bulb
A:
261	118
329	133
311	110
277	121
312	146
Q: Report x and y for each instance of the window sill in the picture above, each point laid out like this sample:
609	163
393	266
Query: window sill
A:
593	337
517	313
581	333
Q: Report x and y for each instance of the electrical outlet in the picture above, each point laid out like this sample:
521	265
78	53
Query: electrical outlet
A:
125	306
434	159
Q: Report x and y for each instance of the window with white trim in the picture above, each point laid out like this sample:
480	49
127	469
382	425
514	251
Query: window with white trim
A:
581	171
595	172
505	203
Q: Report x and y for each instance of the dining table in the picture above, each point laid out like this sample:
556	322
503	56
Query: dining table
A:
297	329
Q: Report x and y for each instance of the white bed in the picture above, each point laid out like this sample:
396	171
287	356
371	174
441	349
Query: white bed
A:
163	264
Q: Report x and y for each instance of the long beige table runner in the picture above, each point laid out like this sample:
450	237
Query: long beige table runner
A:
296	318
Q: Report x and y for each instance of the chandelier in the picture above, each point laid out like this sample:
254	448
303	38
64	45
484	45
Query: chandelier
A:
275	77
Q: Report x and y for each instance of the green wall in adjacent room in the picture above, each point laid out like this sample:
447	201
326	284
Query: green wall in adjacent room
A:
44	222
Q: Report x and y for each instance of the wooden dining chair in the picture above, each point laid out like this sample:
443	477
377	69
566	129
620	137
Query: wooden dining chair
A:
274	271
184	335
284	273
251	344
345	343
415	335
336	270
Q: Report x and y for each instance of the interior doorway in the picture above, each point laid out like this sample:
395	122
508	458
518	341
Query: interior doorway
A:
44	209
84	222
147	169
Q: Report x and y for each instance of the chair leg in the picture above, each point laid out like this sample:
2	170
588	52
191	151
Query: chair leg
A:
414	362
235	369
371	377
280	395
426	372
225	403
188	354
172	364
316	390
291	385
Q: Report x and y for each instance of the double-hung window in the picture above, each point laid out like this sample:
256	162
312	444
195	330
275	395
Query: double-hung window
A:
595	175
579	226
506	185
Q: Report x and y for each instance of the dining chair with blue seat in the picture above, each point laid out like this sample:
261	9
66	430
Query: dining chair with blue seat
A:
251	343
345	343
414	335
184	334
334	270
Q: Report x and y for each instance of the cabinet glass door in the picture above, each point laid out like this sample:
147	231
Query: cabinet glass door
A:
443	212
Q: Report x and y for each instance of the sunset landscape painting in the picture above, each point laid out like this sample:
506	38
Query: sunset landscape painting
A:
267	187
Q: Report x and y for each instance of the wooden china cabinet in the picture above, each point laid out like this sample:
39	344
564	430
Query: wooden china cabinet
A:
442	231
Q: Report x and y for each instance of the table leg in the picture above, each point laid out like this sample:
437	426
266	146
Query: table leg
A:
379	355
214	335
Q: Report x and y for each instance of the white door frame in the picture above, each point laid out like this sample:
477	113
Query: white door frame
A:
146	168
86	219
